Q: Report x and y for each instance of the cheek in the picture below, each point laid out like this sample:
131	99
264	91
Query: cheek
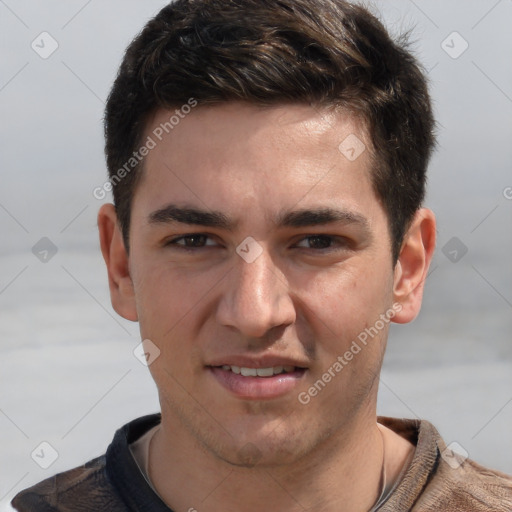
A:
343	303
168	307
172	307
162	288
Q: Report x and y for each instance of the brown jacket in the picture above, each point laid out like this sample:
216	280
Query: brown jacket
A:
436	480
440	480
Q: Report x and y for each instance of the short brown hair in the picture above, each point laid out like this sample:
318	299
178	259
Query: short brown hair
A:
327	53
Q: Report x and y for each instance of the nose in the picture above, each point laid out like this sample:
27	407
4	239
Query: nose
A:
256	298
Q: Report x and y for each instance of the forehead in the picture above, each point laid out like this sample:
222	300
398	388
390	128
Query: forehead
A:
221	156
303	129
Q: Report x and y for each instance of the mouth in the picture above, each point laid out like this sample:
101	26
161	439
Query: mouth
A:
257	382
259	372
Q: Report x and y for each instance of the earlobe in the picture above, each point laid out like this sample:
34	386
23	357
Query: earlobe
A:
413	263
116	258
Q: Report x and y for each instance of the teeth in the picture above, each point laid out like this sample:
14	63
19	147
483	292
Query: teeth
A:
259	372
265	372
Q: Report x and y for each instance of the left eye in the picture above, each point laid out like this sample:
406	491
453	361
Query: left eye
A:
318	242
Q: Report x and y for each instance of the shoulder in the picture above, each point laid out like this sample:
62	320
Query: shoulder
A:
85	488
104	483
439	479
462	484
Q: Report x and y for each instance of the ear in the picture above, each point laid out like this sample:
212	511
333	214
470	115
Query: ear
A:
116	258
413	263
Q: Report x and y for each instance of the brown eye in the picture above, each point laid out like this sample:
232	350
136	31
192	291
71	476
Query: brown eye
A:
320	242
195	240
316	242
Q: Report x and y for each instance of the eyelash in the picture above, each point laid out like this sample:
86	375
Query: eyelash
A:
175	241
341	241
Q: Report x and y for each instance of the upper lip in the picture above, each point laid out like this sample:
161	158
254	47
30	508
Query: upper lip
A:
267	361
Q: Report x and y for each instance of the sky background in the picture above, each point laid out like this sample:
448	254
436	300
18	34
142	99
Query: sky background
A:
67	372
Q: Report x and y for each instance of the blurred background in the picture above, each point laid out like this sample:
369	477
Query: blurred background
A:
68	374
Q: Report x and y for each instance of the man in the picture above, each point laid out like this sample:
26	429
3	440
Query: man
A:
268	163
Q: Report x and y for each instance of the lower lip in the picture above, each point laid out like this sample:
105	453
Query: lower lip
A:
257	388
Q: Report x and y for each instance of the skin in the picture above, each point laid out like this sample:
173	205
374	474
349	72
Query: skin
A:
305	297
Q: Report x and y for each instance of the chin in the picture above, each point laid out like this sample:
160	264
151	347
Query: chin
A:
275	443
251	434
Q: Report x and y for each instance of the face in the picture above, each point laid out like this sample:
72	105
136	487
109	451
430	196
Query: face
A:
260	261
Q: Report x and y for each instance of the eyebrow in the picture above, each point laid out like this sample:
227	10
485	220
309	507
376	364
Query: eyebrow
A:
172	213
319	216
296	219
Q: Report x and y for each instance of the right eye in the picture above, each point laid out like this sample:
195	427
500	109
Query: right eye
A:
191	241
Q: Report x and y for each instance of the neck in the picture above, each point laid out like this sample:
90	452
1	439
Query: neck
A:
343	473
